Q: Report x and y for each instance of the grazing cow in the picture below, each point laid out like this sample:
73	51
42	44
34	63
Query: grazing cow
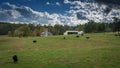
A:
34	41
64	38
82	34
15	58
87	37
117	34
77	36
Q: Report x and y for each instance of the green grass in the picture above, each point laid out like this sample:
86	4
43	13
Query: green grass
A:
102	50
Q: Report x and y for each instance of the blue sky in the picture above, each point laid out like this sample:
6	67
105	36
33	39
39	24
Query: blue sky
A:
37	5
64	12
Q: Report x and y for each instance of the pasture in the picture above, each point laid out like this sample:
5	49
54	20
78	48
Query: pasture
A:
102	50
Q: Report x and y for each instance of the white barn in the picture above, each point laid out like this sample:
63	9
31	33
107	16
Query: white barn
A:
73	32
46	33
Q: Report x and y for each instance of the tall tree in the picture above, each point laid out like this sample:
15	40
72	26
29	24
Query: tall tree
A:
23	31
116	24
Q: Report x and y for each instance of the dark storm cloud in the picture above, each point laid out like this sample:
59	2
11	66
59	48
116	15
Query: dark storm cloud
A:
107	10
80	16
113	2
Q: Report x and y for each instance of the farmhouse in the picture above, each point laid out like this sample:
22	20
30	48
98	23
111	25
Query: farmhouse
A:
73	32
46	33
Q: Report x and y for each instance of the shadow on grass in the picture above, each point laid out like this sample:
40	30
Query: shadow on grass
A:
9	62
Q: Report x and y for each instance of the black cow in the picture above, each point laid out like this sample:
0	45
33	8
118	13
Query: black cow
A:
15	58
64	38
34	41
77	36
87	37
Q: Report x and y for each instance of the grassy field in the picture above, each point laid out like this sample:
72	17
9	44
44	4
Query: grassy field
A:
102	50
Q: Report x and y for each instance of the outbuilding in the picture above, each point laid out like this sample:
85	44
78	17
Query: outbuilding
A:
73	32
46	33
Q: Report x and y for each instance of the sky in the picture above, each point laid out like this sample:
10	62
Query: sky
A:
64	12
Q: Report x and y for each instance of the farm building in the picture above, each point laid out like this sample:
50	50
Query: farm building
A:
46	33
73	32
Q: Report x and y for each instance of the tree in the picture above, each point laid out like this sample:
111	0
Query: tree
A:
80	27
89	27
10	34
23	31
18	33
4	28
116	25
58	29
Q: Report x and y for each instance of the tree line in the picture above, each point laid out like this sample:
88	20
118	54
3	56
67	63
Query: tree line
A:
23	30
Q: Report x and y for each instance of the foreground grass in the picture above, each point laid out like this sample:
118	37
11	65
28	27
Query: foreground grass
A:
102	50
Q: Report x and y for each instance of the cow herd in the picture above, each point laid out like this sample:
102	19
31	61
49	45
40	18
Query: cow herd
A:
15	57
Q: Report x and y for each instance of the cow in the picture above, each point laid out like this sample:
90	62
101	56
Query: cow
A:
15	58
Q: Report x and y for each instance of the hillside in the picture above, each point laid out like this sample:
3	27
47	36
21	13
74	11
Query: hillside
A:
102	50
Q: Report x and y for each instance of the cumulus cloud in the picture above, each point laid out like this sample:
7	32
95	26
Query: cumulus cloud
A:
23	14
111	4
115	2
9	15
66	1
47	3
57	3
54	4
11	5
26	14
79	13
92	11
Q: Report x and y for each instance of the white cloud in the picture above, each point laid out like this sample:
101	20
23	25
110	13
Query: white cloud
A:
54	4
47	3
57	3
92	11
27	15
80	13
10	5
15	14
66	1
